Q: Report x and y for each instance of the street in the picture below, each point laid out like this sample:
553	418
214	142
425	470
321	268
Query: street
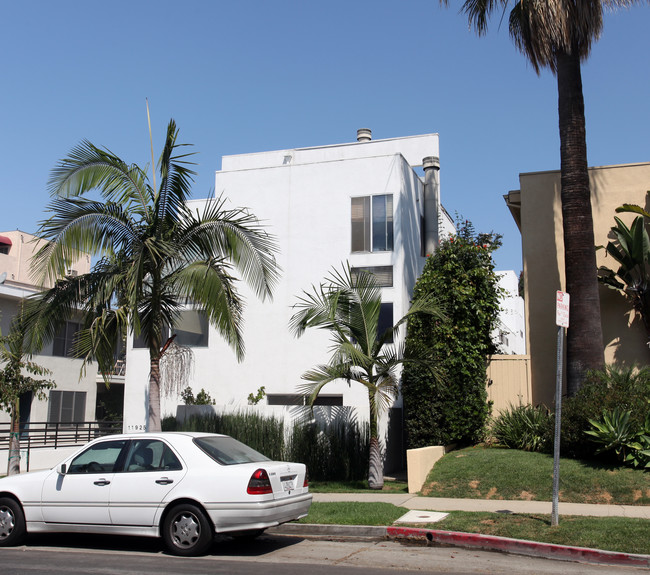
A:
98	555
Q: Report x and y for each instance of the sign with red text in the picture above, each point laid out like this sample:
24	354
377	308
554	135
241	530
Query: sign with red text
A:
562	309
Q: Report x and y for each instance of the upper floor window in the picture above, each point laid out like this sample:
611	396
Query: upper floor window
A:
191	330
372	223
64	339
383	274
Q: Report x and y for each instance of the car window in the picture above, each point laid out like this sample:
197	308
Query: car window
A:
151	455
98	458
228	451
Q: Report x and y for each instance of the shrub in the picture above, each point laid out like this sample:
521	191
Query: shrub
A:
525	427
603	391
454	407
333	450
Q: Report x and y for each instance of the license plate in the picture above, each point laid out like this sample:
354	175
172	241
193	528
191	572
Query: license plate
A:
288	485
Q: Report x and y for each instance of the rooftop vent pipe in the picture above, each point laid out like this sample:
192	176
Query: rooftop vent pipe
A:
431	165
364	135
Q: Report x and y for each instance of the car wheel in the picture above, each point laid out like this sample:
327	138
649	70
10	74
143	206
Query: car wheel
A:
186	530
12	522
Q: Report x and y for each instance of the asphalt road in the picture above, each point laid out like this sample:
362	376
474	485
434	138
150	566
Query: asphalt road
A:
270	554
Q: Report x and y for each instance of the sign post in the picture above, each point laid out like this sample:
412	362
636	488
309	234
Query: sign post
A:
562	321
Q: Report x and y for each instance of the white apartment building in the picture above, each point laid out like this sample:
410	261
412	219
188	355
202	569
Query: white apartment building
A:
510	334
366	203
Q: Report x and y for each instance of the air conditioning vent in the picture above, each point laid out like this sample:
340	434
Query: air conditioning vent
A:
72	273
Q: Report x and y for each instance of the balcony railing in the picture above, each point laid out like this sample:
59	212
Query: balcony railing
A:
38	435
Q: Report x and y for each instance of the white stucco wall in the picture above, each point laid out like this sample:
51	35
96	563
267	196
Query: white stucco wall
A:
510	335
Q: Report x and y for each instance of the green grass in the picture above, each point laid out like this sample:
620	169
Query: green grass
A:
494	473
355	487
353	513
625	535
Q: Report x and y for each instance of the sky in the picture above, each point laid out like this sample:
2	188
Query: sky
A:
243	76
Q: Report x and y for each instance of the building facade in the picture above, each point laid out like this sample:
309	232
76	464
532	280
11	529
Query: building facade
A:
366	203
536	208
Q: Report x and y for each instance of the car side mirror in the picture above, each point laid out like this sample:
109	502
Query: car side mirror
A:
62	469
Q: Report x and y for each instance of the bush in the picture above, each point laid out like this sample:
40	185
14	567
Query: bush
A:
525	427
454	407
334	450
602	391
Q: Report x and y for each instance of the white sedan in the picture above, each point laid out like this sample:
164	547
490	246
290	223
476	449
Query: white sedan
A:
183	487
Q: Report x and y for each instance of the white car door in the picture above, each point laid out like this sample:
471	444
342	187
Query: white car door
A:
150	472
81	495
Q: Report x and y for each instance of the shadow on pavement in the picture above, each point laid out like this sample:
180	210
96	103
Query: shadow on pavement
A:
224	546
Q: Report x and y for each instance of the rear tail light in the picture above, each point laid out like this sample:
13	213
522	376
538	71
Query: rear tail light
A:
259	483
306	482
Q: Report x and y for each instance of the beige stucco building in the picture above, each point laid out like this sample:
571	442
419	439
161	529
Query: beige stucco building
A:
537	210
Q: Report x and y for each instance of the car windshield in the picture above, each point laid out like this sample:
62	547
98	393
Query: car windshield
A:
228	451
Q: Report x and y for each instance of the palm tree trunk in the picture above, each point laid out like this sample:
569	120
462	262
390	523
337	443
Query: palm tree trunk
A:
376	467
154	395
13	461
584	337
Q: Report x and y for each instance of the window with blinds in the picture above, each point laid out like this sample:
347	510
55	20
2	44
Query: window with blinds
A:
383	274
67	407
372	223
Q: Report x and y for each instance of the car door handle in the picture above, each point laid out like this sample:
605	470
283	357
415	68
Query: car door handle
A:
101	482
164	481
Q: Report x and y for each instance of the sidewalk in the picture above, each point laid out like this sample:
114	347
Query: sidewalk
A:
495	505
472	540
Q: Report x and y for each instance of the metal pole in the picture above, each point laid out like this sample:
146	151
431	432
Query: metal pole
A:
558	424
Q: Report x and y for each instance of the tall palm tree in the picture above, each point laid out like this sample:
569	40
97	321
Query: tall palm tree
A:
348	306
157	256
558	34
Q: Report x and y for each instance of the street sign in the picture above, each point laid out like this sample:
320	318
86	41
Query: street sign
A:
562	309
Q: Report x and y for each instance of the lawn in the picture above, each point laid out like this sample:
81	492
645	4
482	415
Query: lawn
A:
626	535
494	473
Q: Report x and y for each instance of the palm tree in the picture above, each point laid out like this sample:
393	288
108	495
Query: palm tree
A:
348	306
157	257
558	34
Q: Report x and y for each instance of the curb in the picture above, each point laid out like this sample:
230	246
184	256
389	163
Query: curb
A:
466	540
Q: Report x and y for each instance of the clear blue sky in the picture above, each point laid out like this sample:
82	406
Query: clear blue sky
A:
248	76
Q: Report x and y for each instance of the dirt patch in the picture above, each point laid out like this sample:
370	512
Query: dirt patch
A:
526	496
637	494
461	455
491	493
474	484
487	522
601	496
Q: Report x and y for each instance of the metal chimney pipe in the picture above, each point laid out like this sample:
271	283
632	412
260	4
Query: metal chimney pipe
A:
364	135
431	165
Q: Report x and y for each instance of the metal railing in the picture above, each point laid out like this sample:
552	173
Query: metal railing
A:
36	435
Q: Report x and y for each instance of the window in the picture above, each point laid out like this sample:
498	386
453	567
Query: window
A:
99	458
64	339
229	451
4	249
385	320
372	223
67	407
151	455
191	330
383	274
297	399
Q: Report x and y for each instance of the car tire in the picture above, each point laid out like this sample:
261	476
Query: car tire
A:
12	522
186	530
